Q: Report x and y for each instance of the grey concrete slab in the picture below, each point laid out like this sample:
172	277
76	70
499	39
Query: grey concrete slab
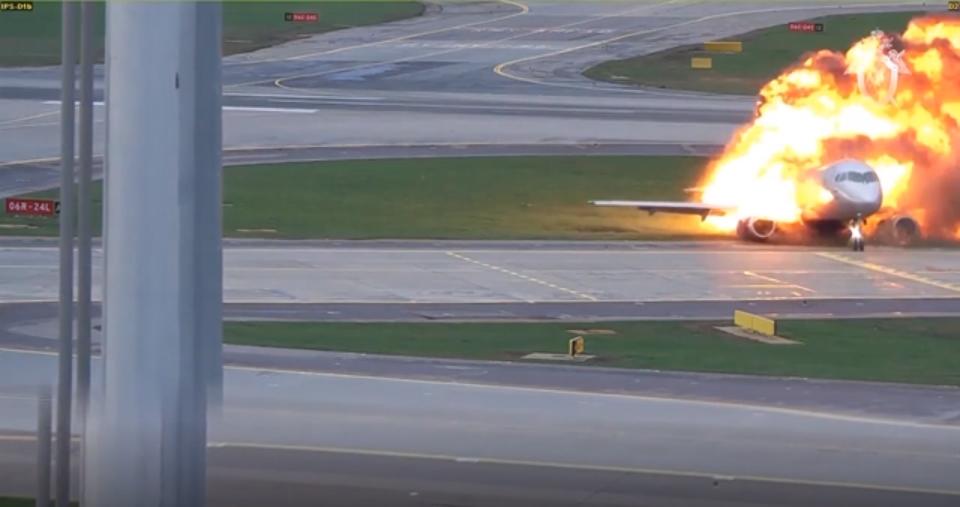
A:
292	274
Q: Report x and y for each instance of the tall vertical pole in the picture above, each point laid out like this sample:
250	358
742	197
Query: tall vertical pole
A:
208	200
84	215
65	371
148	424
44	421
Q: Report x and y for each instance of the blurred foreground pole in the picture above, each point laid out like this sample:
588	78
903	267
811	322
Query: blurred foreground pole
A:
44	422
84	206
84	215
147	424
68	60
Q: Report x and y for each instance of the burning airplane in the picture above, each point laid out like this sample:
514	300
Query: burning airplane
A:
865	143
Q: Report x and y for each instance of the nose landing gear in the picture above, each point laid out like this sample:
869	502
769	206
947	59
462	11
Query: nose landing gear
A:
856	234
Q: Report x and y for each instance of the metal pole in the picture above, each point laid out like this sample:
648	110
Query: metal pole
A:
84	204
84	215
208	198
67	218
44	422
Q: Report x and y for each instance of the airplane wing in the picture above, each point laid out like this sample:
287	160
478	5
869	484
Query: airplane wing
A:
687	208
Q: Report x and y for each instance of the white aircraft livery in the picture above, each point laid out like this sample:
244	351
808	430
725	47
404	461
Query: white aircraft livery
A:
855	194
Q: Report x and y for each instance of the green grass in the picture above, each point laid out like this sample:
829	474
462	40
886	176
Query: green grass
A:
22	502
462	198
921	351
33	38
765	54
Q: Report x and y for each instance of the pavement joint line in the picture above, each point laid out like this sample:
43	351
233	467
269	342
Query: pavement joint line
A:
500	69
879	268
524	9
578	294
487	43
578	394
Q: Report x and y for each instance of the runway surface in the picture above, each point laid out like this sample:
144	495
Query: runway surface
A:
539	273
496	445
485	72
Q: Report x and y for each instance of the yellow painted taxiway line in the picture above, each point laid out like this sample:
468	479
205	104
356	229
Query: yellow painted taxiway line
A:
782	284
879	268
523	10
501	69
521	276
279	83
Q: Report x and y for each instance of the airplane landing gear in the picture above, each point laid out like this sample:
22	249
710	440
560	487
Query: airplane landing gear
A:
856	234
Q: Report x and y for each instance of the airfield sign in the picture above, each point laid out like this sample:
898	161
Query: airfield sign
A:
32	207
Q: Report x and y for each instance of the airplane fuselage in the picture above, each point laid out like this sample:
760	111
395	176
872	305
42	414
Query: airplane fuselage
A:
854	191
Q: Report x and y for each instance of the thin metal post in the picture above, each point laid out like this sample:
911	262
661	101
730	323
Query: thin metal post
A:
84	215
67	218
44	421
84	204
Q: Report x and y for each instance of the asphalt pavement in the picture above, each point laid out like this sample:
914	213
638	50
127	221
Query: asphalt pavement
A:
519	274
476	72
354	440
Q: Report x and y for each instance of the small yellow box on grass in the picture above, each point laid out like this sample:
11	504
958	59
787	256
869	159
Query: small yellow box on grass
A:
576	346
723	46
701	62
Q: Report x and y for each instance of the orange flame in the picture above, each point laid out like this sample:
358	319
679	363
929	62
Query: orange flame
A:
815	113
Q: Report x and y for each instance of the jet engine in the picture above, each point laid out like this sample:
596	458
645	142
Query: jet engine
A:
900	229
756	229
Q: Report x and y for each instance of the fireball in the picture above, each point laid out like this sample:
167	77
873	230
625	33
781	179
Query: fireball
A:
896	109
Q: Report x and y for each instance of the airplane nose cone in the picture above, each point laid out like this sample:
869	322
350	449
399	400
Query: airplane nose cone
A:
868	200
862	199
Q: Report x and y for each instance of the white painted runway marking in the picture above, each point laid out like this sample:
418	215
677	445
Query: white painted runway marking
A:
298	97
269	109
57	102
257	109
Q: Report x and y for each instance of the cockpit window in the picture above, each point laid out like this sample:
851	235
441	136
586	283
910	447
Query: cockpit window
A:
864	177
